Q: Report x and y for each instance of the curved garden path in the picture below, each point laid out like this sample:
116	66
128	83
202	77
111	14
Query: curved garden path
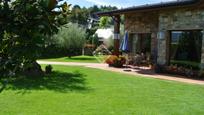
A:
137	72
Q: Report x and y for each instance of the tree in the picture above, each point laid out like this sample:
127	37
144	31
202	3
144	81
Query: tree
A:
107	8
79	15
71	37
104	22
24	26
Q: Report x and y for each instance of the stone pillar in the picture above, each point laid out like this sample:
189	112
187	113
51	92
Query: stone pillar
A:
202	53
116	35
162	47
154	47
168	46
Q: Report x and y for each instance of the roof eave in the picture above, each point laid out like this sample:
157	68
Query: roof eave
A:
160	6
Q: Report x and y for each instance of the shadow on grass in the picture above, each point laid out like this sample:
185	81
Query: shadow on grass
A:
57	81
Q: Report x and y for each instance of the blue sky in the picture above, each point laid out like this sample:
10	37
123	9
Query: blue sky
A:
118	3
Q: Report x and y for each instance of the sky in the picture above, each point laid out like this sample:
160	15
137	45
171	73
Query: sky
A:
118	3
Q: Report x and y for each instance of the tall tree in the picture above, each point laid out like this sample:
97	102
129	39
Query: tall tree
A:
23	27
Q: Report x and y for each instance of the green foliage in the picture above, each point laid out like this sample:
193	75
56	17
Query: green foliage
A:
52	51
24	27
187	64
95	40
71	37
48	69
79	15
104	22
90	34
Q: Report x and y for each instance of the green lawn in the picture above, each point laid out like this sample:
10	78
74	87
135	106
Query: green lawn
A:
83	59
85	91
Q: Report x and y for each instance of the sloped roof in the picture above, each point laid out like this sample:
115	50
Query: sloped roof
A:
160	5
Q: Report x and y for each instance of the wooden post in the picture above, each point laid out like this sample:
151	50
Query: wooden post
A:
116	35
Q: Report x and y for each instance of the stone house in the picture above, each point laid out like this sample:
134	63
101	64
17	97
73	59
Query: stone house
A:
163	24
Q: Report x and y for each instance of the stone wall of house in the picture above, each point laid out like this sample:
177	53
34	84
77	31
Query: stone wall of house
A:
183	19
141	22
163	22
137	23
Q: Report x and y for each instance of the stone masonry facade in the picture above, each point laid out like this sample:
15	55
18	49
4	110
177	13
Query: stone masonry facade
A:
183	19
162	22
137	23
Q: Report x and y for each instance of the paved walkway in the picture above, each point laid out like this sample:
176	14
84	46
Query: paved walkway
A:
144	72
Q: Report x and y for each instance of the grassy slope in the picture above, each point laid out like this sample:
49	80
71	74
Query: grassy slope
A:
84	59
78	90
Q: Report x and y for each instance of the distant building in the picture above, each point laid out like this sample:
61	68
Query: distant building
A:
93	20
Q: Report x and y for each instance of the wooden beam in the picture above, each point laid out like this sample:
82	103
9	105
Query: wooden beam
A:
116	34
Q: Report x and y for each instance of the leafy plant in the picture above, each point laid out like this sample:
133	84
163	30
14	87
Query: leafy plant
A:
24	27
72	38
104	22
48	69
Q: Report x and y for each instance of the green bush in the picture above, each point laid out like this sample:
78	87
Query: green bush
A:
187	64
48	69
71	37
24	26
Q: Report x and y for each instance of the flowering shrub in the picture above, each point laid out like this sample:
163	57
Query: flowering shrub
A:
115	61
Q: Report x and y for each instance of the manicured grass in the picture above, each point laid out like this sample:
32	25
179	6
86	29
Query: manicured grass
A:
85	91
83	59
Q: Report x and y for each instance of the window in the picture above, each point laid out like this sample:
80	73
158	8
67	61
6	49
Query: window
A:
185	48
141	43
